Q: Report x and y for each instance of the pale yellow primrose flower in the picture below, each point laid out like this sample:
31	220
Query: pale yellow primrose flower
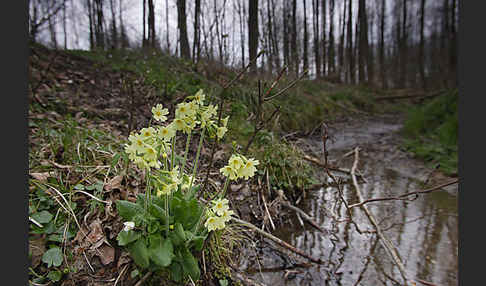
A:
183	110
221	131
166	189
166	132
235	162
249	168
199	97
160	113
212	223
220	205
226	216
131	150
137	141
147	133
150	153
228	171
179	124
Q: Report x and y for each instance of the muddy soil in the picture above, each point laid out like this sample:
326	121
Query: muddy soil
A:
424	231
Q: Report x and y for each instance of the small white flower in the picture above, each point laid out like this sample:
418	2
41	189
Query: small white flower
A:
129	225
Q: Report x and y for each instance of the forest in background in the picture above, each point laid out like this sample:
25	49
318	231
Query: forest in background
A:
383	44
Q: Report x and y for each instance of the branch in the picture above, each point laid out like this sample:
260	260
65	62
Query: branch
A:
278	241
385	242
404	196
288	87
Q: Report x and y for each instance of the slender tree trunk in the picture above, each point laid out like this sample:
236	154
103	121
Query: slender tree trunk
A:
285	31
330	52
114	31
64	27
305	55
181	21
382	46
363	41
197	32
421	59
241	15
350	44
151	24
271	45
253	32
324	43
342	68
167	36
144	41
293	40
453	49
404	47
315	27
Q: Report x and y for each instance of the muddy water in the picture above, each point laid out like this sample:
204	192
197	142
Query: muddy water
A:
424	230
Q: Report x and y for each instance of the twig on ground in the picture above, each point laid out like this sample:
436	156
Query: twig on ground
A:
278	241
385	242
405	196
145	277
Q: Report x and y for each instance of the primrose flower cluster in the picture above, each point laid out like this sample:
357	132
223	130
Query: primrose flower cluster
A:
152	143
239	167
218	215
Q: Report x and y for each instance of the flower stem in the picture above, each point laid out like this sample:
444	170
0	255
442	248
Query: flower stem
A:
194	170
188	140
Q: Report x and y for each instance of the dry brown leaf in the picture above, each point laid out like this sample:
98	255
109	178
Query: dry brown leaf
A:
96	232
106	254
42	176
37	247
114	183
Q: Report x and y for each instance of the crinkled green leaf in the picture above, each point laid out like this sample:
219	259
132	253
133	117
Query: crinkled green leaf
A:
179	230
53	256
161	251
42	217
176	271
128	210
189	264
54	275
126	237
139	253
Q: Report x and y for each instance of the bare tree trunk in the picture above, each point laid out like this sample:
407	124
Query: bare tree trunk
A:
453	48
350	44
144	41
315	26
253	32
422	46
305	55
342	68
167	38
151	23
363	41
64	25
324	37
330	52
285	31
382	46
275	43
241	15
197	32
293	40
114	31
404	47
181	21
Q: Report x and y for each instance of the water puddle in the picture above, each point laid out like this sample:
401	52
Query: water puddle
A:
424	231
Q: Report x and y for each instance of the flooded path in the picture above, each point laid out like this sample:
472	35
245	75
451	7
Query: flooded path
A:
424	231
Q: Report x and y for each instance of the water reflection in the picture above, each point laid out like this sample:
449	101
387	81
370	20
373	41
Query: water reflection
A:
423	230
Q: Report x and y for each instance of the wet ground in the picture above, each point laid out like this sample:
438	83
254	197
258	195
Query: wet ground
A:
424	231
